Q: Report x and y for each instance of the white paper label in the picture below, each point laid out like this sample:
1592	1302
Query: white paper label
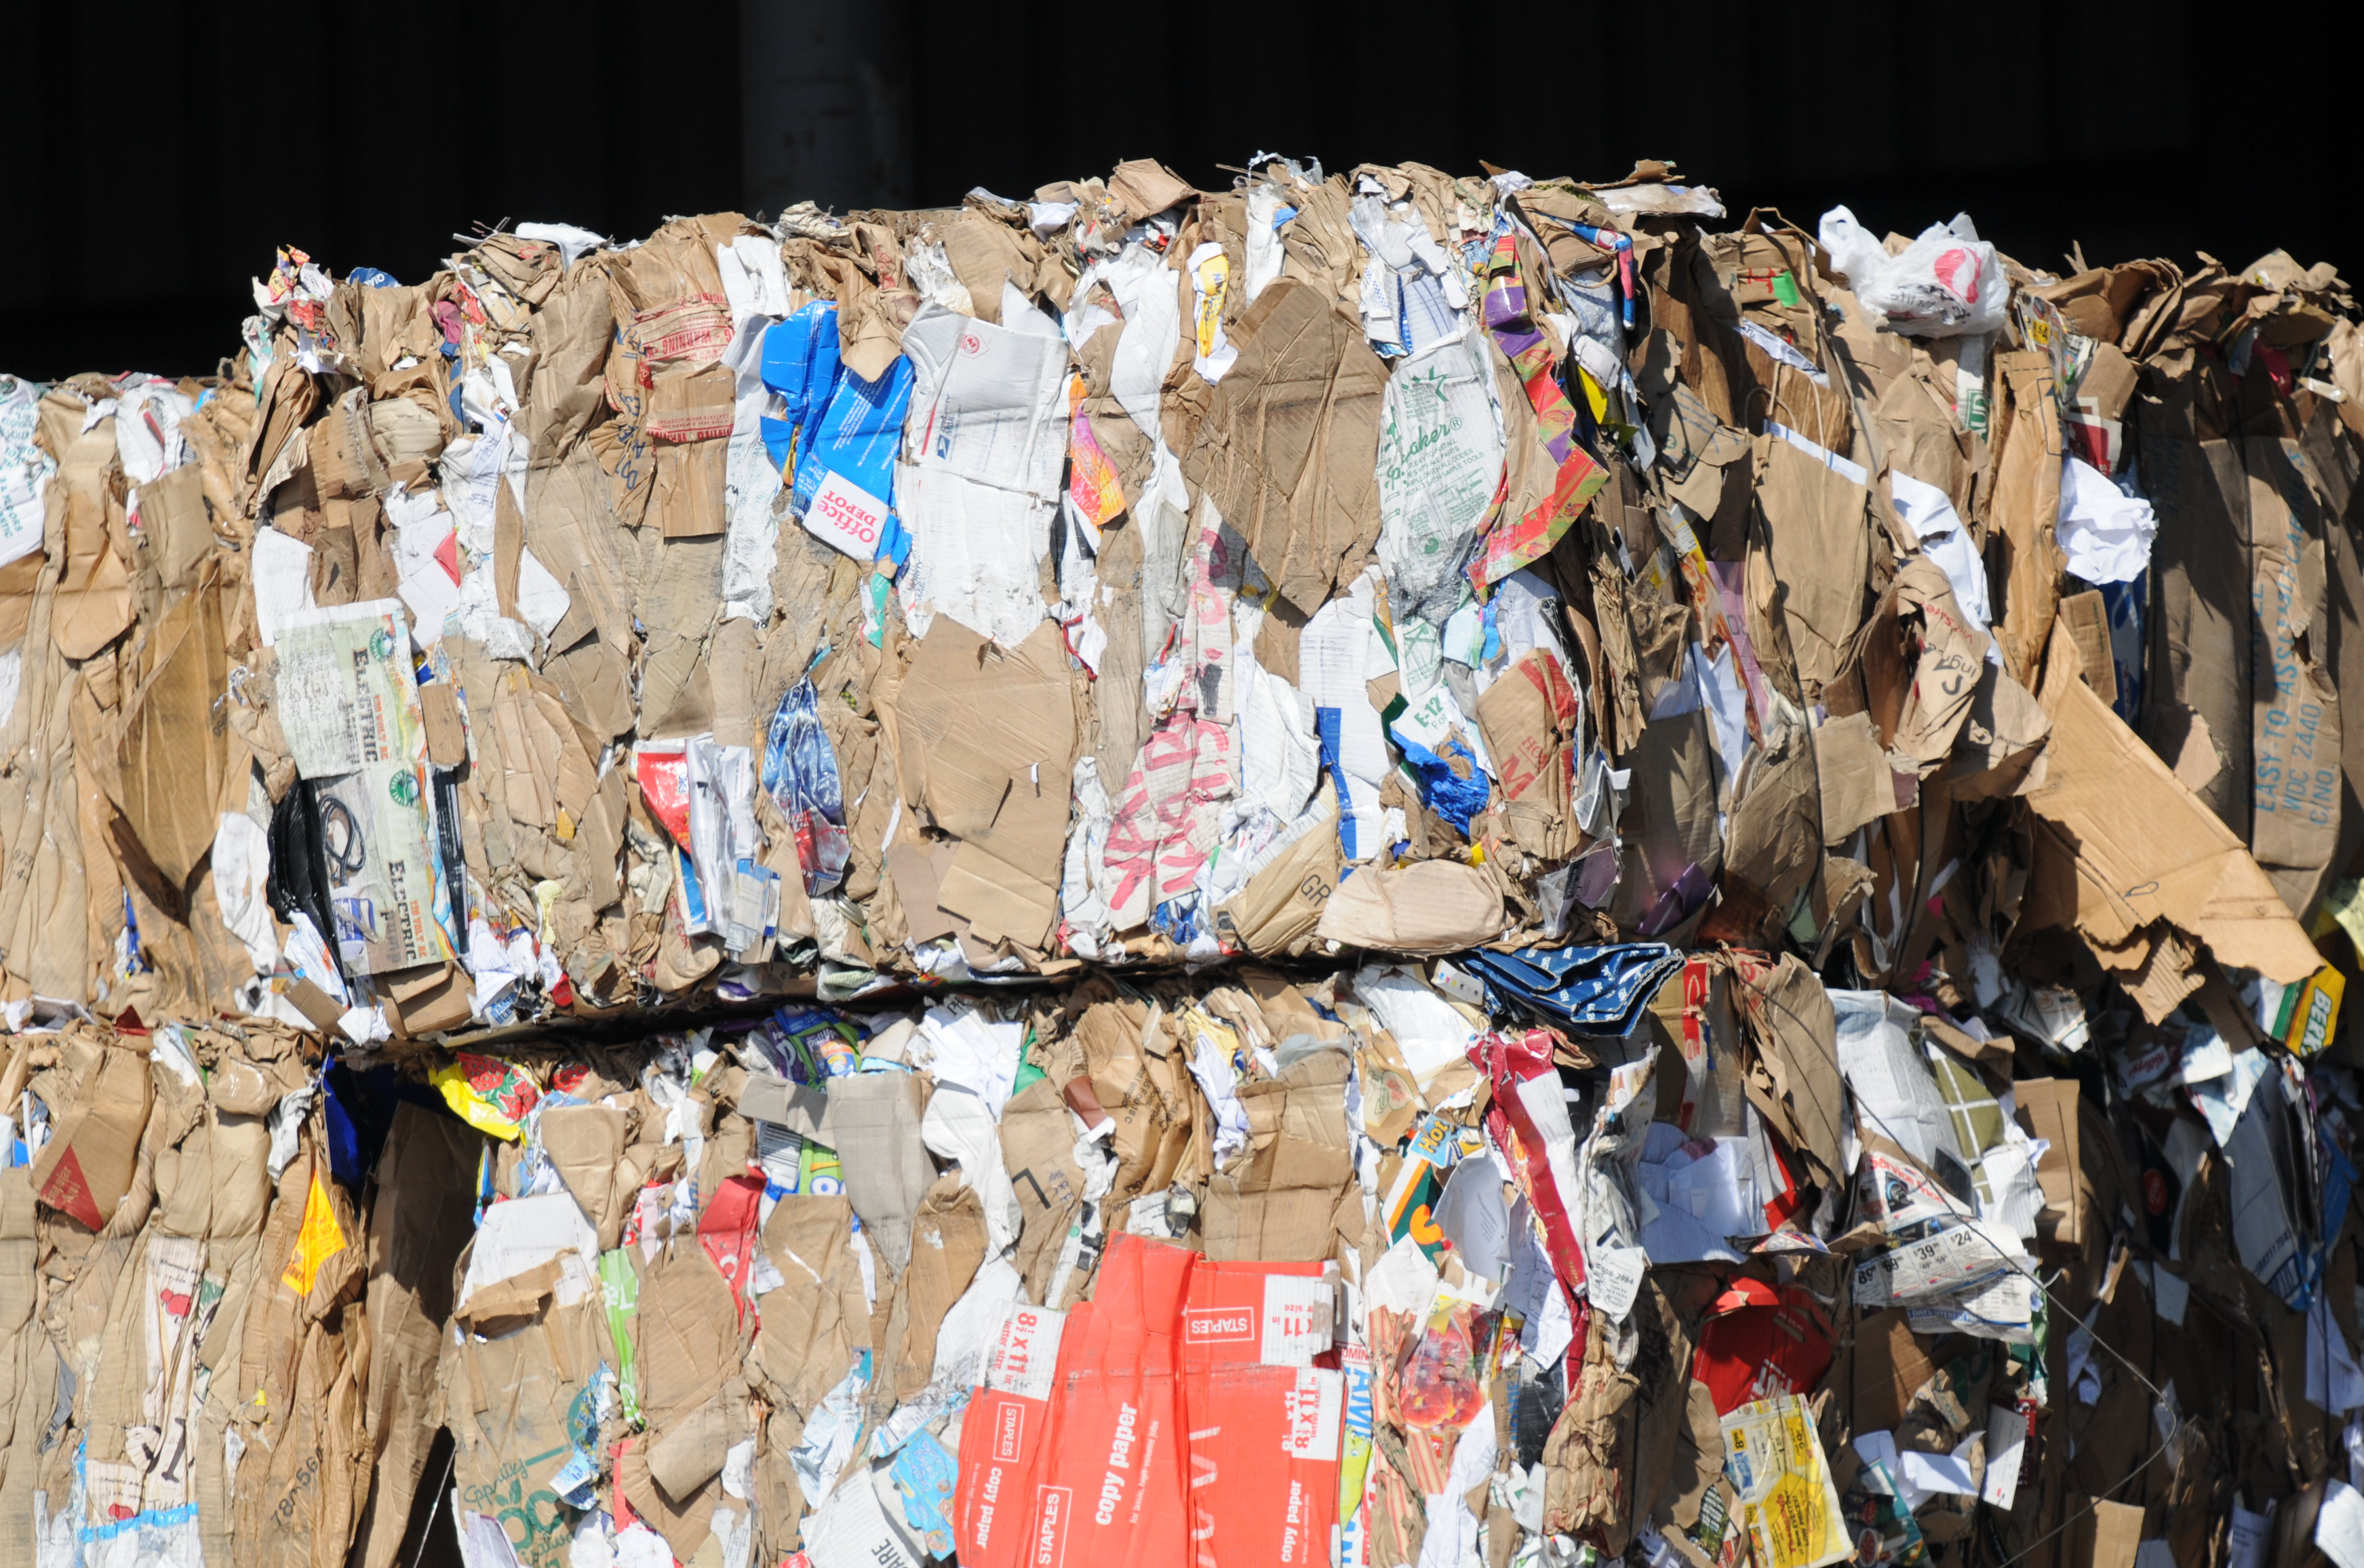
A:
1459	984
1297	1314
1938	1265
1317	1407
1025	1354
2244	1543
844	514
2339	1525
20	511
1613	1278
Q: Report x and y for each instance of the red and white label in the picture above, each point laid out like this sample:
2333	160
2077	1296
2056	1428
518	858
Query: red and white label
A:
847	516
1313	1409
1009	1433
1053	1507
1207	1325
1296	1314
1025	1353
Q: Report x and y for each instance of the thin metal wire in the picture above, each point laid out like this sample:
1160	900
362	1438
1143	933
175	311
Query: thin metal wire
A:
2006	1258
2028	1550
436	1506
2159	1448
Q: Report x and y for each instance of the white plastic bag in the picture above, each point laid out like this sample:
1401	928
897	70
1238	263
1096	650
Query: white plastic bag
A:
1946	283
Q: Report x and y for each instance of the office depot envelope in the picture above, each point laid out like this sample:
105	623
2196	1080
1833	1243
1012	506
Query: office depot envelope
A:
1264	1423
1109	1487
1002	1437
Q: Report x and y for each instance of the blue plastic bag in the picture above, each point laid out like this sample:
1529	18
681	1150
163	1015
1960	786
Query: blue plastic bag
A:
1455	797
801	773
801	364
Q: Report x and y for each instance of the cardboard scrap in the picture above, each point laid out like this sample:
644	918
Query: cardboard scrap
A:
2145	849
1430	906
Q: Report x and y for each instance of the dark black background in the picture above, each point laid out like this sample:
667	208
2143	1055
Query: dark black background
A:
158	151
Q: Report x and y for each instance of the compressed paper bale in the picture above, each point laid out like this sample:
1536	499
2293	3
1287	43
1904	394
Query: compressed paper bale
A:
491	656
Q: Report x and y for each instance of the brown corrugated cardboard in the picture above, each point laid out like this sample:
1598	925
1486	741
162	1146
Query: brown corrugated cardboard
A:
86	1168
1430	906
2143	849
1288	444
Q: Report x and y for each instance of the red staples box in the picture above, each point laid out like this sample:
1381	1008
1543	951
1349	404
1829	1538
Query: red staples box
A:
1266	1422
1003	1434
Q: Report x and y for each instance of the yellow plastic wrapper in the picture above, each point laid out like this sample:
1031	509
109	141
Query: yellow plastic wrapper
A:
490	1095
1788	1505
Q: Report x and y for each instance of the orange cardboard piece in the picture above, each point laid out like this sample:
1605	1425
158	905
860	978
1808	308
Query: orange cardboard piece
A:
1001	1439
1110	1484
1264	1423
